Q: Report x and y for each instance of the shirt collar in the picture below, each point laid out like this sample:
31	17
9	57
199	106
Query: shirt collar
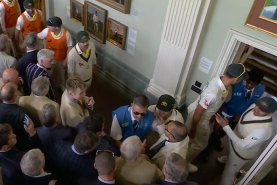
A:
78	49
221	85
107	182
131	112
75	151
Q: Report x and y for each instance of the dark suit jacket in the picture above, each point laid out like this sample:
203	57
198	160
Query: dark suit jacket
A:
70	166
10	163
90	181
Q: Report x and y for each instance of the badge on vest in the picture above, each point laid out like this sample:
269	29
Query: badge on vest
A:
125	124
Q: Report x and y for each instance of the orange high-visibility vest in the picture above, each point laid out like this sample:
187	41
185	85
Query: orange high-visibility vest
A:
11	14
59	46
31	25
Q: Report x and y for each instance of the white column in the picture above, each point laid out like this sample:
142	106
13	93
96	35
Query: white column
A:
183	25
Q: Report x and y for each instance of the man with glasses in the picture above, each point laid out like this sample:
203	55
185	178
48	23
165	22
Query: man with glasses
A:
81	58
132	120
174	140
205	106
165	112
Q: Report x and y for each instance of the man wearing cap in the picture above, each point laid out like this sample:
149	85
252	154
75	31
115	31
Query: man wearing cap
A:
205	106
9	12
31	20
243	94
164	113
81	58
246	141
58	40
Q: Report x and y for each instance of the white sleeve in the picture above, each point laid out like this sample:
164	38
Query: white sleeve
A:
2	17
19	23
116	132
256	137
69	41
43	34
206	99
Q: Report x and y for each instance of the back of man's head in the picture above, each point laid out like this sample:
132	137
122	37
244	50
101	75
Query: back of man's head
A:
48	115
94	123
255	75
131	148
4	39
10	75
32	163
85	142
31	40
175	168
9	92
141	100
40	86
44	54
105	163
5	131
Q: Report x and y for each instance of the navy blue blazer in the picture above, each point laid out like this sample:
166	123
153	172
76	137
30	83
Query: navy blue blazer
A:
10	163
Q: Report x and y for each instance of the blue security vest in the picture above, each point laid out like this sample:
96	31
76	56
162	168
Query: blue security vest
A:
125	121
238	102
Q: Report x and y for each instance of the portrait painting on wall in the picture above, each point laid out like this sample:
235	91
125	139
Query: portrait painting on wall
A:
263	16
95	21
116	33
76	11
120	5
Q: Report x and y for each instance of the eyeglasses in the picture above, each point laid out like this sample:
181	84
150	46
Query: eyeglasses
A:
101	151
170	133
138	113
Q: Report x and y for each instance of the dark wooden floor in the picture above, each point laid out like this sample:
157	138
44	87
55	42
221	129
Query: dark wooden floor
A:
108	98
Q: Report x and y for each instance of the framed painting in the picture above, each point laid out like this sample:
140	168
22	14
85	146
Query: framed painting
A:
76	11
116	33
95	21
263	16
120	5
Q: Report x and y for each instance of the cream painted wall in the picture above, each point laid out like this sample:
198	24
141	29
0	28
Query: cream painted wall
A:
226	15
146	18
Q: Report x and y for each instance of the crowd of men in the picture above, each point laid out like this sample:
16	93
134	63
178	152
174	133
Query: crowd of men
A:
48	123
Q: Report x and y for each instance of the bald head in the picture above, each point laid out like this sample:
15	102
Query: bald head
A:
9	92
10	75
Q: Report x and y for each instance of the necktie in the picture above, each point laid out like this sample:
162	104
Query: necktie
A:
153	151
135	124
248	95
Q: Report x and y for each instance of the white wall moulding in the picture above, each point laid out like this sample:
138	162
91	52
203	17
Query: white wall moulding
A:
231	45
183	25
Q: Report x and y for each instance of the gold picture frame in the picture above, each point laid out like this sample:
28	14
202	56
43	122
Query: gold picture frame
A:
95	21
77	11
123	6
116	33
263	17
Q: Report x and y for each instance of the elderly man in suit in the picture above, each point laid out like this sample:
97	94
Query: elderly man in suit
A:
174	140
35	102
132	163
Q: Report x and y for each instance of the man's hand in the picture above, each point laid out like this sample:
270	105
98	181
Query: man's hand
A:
29	126
221	121
89	101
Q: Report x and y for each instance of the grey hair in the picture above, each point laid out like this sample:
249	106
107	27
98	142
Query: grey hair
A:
175	167
4	41
40	86
31	40
32	162
45	54
131	148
